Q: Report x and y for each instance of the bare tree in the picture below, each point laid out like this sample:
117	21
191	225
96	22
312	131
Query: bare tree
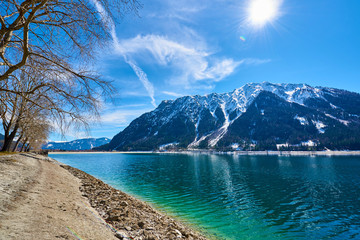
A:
55	32
36	133
45	48
12	111
63	102
35	127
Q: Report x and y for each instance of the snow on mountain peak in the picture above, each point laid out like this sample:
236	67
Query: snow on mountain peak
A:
236	101
272	114
297	93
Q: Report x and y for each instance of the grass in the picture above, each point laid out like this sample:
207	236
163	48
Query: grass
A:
6	153
7	160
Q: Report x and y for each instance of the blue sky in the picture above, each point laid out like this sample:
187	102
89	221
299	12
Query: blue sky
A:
177	48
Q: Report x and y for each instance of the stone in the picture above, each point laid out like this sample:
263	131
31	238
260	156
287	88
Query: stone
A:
141	224
178	233
121	235
114	215
150	237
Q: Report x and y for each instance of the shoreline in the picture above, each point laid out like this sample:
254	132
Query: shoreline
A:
102	210
131	216
240	153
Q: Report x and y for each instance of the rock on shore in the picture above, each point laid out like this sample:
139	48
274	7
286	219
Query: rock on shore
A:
132	218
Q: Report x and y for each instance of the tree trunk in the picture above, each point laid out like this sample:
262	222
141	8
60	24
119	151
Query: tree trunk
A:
6	136
17	143
7	144
23	145
8	140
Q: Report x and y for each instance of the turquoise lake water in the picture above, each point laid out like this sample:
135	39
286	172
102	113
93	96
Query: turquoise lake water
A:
240	197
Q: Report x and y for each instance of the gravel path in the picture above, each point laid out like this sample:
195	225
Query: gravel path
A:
41	200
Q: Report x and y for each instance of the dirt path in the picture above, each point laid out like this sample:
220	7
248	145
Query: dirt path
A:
41	200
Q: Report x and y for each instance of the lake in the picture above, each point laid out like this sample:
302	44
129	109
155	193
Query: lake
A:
240	197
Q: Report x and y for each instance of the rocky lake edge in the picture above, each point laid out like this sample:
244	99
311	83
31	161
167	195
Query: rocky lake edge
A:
64	202
130	217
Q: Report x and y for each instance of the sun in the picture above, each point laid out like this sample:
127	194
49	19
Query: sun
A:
261	12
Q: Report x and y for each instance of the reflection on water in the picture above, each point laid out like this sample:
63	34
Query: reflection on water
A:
241	197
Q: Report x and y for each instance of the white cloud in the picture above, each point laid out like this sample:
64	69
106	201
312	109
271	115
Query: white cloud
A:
255	61
162	49
138	71
176	10
221	69
192	63
121	117
144	80
129	93
106	19
173	94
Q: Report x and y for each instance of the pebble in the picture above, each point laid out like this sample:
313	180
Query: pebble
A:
141	224
121	235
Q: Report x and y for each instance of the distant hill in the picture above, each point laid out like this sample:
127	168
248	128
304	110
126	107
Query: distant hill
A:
1	136
258	116
79	144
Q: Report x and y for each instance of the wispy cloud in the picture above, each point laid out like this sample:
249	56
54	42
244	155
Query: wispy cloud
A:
192	64
138	71
121	117
221	70
177	10
256	61
129	93
144	79
108	22
173	94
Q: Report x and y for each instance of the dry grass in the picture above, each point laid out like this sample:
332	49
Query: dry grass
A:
6	153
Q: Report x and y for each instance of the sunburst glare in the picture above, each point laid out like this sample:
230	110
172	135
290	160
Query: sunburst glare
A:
261	12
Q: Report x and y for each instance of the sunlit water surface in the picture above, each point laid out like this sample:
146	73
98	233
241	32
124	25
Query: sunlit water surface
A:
240	197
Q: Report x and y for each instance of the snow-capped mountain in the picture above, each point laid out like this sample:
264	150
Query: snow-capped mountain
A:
257	114
79	144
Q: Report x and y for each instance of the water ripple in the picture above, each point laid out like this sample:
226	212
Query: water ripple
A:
241	197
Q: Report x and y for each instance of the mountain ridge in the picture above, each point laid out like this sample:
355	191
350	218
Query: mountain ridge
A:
78	144
204	121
